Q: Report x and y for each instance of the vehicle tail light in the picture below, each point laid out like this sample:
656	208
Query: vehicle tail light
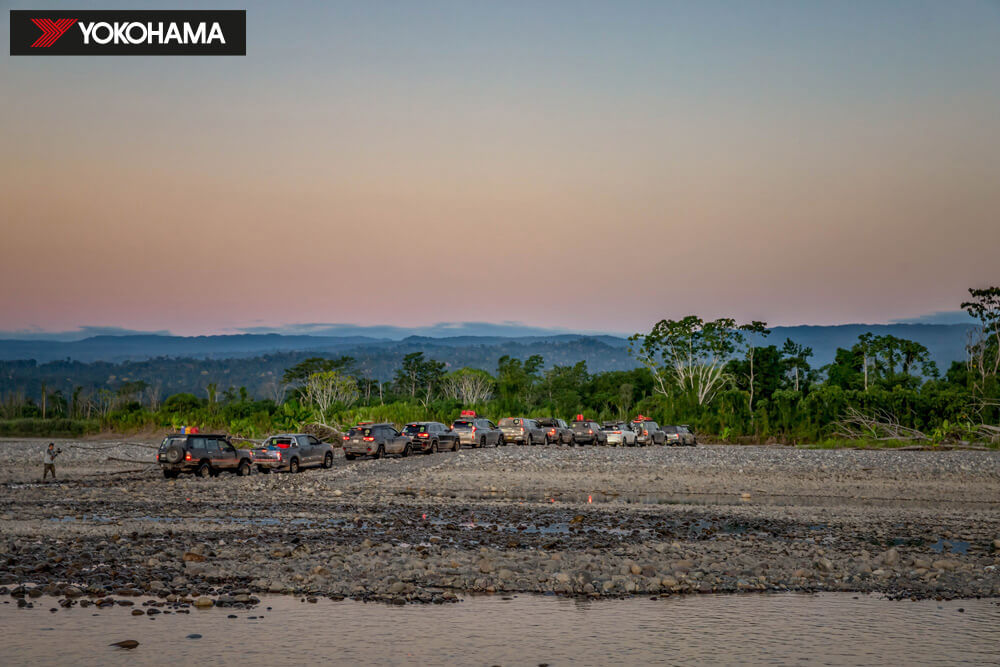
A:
369	438
590	431
187	456
552	431
617	432
473	429
279	456
347	437
645	432
422	435
522	429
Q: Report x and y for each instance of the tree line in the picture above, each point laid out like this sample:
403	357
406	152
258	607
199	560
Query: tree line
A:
721	377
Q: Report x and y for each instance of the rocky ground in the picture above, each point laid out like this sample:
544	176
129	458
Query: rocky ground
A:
598	522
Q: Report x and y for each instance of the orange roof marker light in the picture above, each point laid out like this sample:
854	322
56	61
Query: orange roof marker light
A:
468	413
579	418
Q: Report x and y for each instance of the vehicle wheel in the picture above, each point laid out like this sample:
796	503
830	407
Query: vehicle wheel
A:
457	447
293	466
482	442
328	461
170	474
406	451
244	469
546	443
380	452
205	470
434	447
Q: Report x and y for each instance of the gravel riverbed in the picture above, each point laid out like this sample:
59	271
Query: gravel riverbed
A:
594	522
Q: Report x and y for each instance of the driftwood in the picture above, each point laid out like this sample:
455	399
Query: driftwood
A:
881	425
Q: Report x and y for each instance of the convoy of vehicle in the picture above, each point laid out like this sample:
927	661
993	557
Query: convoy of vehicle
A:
207	455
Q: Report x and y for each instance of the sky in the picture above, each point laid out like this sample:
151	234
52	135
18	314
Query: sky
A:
589	166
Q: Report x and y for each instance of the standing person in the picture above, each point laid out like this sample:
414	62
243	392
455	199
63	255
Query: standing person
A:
49	459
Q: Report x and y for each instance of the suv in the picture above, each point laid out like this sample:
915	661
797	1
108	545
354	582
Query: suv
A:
292	452
620	434
477	432
376	440
521	431
648	432
556	430
429	437
679	436
586	432
203	454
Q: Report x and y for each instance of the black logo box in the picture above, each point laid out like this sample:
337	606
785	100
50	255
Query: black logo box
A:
24	33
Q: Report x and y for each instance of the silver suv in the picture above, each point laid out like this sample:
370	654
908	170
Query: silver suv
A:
376	440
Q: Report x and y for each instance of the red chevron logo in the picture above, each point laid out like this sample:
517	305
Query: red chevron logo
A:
51	31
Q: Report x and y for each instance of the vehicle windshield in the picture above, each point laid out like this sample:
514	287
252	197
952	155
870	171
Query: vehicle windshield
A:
415	428
510	421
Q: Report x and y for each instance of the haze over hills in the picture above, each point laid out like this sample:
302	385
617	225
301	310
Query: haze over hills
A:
946	343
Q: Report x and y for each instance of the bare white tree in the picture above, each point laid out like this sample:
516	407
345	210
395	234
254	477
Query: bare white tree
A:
471	386
327	388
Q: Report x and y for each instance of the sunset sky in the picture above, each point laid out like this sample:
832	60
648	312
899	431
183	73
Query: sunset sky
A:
581	165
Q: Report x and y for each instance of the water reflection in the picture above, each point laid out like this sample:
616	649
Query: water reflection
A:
516	630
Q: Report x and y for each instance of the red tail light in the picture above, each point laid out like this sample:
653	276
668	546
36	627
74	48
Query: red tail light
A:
522	429
645	432
617	432
422	435
590	431
279	455
187	456
473	429
347	437
552	431
369	438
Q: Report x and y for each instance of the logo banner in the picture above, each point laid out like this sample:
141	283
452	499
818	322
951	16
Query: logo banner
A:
68	32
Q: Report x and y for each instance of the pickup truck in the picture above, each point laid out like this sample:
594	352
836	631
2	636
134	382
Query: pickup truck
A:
292	452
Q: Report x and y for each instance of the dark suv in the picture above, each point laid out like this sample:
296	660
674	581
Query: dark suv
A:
521	431
587	432
203	454
430	437
556	431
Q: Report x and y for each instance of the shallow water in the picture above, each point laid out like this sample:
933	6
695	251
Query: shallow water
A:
835	628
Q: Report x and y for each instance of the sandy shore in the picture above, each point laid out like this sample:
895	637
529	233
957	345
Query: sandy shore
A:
576	521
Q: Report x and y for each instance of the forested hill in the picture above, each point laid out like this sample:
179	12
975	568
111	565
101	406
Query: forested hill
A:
257	361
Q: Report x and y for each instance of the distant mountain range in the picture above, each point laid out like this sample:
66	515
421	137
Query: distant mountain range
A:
946	343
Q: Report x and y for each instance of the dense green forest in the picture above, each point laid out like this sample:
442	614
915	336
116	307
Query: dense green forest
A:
716	376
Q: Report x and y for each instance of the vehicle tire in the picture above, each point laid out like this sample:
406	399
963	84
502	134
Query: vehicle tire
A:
434	447
205	470
293	466
457	447
328	461
546	443
380	452
243	470
482	442
170	474
174	453
405	452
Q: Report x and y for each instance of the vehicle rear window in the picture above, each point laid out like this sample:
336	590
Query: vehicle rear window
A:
510	421
462	423
581	425
669	429
280	441
360	430
169	441
415	428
